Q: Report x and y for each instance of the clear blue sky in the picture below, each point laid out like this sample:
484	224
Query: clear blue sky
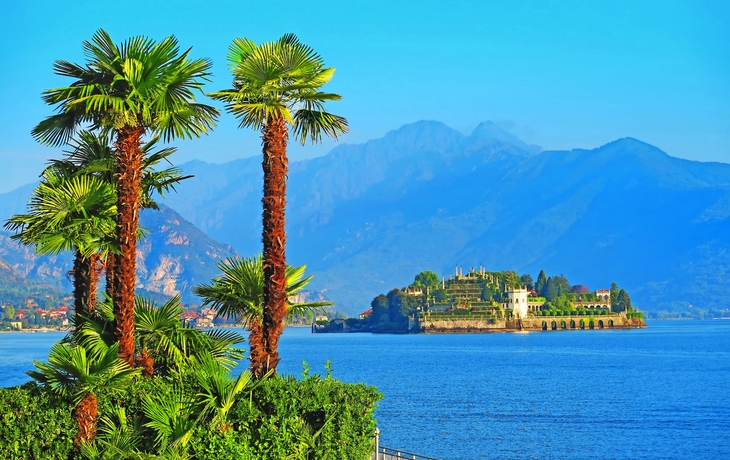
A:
560	74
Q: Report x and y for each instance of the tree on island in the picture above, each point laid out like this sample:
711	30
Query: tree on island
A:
528	281
379	307
400	305
277	85
136	88
551	289
426	279
623	301
562	284
541	283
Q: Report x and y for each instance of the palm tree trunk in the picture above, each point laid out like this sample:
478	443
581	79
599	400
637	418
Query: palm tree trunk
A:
82	286
94	272
275	166
128	172
85	416
146	362
109	268
257	354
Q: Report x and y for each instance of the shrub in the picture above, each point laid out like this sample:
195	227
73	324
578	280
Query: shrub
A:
35	424
283	417
284	412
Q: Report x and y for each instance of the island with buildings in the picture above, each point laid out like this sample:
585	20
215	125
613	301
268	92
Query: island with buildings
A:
483	301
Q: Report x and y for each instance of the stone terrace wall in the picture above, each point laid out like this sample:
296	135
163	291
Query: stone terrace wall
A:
455	324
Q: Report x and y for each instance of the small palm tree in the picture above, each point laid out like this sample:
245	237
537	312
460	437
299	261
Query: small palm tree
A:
136	88
78	373
165	342
239	293
277	85
70	213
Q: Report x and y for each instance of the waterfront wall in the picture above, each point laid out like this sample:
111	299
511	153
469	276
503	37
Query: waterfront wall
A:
456	324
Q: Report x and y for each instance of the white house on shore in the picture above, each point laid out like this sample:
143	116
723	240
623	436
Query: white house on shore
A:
517	300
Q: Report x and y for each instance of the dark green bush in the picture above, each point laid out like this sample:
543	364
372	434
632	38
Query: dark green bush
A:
284	417
35	424
285	413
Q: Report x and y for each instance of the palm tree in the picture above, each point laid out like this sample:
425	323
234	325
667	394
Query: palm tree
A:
277	85
239	293
93	153
70	213
79	373
136	88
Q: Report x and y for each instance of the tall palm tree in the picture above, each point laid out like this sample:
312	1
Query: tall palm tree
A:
136	88
73	213
277	85
239	293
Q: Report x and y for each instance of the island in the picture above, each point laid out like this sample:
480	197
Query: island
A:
486	301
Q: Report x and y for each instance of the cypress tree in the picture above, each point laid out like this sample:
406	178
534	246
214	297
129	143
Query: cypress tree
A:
541	283
551	290
624	301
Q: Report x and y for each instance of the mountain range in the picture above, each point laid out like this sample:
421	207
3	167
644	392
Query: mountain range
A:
366	218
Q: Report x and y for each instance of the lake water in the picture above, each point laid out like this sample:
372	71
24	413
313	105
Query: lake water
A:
661	392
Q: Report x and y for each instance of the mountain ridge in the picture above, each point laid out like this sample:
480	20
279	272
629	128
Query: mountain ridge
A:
367	217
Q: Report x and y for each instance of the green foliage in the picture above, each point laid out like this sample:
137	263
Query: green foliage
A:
425	279
401	305
487	293
541	283
281	79
9	313
623	301
137	83
239	290
562	303
35	424
562	284
198	416
314	417
440	295
527	281
75	371
379	305
551	290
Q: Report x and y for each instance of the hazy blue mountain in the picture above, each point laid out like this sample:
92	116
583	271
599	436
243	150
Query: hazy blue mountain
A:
173	257
366	218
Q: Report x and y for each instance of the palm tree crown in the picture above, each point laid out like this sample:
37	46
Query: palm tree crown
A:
139	83
281	79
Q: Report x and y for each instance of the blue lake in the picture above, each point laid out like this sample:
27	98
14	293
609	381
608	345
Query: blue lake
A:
660	392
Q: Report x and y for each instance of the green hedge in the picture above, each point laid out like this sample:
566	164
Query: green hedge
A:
282	417
342	413
34	424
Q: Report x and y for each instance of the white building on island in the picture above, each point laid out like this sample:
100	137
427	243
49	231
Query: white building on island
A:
518	302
